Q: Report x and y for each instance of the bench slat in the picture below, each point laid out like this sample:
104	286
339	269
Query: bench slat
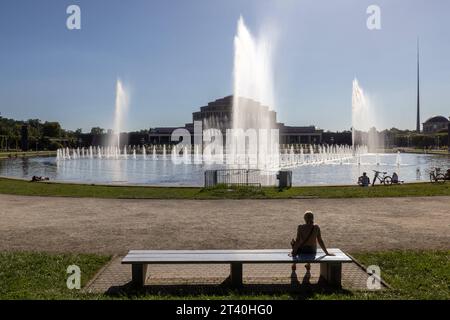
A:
132	252
229	256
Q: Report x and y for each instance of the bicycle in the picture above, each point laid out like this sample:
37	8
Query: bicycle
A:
437	176
382	177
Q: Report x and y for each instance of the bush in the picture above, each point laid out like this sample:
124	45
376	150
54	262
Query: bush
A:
53	146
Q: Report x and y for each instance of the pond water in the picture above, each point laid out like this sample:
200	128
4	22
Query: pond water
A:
163	172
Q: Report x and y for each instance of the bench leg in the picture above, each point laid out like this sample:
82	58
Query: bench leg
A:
236	274
332	273
138	275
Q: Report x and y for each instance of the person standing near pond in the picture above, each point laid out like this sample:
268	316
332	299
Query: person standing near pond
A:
308	235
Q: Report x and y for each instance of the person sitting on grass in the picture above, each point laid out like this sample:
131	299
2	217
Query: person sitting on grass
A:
395	178
37	179
364	180
308	235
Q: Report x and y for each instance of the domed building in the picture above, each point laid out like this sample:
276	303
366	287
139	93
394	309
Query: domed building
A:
217	114
435	124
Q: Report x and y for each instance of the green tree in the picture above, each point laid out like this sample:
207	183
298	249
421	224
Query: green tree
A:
97	130
52	129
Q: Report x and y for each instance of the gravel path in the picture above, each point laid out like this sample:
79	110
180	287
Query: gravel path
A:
115	226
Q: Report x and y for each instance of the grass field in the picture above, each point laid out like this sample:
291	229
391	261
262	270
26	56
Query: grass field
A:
412	275
20	187
33	275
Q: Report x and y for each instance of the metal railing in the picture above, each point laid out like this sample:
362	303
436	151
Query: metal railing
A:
233	177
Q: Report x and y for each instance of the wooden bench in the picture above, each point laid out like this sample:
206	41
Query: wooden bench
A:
330	266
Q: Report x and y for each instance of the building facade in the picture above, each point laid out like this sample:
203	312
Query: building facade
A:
219	114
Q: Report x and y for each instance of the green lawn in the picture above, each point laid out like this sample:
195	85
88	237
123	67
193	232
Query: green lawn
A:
33	275
412	274
20	187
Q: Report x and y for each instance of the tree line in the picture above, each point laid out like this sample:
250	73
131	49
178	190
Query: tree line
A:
49	135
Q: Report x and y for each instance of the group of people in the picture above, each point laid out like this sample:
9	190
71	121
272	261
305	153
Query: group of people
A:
364	180
38	178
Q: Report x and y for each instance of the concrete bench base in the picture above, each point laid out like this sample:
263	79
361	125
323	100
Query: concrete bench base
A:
138	274
330	266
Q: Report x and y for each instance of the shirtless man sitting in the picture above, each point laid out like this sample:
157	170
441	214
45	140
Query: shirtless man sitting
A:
308	235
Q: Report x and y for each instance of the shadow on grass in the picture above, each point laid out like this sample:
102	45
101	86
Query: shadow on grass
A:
224	191
295	290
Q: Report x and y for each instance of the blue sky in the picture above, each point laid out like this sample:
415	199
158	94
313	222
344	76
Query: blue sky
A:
176	56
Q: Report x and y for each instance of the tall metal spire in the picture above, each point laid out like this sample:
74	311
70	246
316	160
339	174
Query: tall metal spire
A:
418	89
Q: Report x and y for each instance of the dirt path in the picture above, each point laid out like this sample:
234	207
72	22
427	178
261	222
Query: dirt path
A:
115	226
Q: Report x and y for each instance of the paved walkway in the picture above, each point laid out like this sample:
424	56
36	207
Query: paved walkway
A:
115	226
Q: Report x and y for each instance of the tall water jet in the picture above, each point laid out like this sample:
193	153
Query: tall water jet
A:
197	154
253	101
302	156
121	107
363	120
398	159
186	155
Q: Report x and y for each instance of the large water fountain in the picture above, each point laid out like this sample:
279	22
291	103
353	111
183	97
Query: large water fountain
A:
253	105
253	82
121	107
152	165
364	120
